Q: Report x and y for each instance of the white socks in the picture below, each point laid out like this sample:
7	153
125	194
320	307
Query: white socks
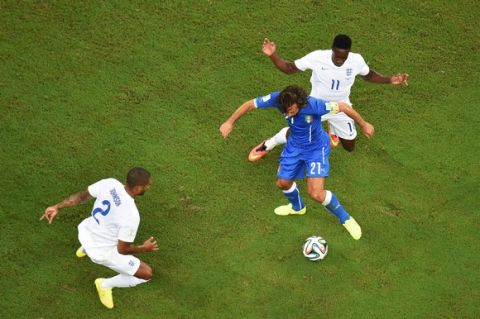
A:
277	139
122	281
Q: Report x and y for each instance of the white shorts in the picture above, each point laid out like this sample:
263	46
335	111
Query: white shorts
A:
341	125
109	256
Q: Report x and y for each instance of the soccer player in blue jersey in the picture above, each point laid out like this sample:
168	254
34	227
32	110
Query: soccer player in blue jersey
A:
307	149
333	75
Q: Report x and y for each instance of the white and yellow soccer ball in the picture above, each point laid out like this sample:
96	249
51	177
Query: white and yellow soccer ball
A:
315	248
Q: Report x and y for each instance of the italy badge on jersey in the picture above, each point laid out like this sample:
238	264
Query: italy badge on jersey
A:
308	119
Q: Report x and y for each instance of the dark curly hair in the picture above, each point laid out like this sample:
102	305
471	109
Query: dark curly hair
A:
342	41
293	94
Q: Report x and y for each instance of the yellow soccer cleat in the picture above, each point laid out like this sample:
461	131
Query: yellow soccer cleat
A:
80	252
353	228
286	210
105	294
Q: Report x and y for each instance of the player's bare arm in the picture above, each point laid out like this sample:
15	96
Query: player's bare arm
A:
227	126
375	77
367	128
75	199
269	49
126	248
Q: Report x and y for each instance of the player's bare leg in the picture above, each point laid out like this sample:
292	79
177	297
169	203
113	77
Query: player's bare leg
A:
348	145
262	149
105	285
296	205
329	200
144	271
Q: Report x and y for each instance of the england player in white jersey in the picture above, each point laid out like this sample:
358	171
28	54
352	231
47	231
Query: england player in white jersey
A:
107	236
333	74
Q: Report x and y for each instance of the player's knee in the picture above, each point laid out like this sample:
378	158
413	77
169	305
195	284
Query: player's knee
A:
283	184
318	196
145	272
148	273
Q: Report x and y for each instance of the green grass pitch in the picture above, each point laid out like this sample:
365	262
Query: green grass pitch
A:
89	89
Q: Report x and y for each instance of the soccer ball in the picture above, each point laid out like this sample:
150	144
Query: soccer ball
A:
315	248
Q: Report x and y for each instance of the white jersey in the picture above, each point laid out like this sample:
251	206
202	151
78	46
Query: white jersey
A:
331	82
114	216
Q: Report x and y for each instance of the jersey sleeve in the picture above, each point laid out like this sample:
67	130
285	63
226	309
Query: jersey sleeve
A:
128	230
322	107
306	62
270	100
95	188
363	67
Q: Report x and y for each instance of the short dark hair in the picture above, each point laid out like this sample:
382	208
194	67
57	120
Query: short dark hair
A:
137	176
293	94
342	41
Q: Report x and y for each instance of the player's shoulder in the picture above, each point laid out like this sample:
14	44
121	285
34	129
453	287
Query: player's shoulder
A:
314	100
320	54
110	182
313	103
267	100
356	58
127	208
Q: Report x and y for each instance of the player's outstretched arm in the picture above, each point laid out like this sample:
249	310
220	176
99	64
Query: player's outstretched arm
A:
227	126
126	248
269	49
75	199
375	77
367	128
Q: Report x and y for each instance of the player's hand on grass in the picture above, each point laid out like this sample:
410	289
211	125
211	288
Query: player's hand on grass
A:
226	128
400	78
50	213
268	47
368	129
150	244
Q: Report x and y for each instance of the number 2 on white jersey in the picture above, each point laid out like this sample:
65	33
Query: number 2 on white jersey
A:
98	210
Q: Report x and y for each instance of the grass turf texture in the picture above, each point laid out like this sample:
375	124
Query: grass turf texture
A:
89	90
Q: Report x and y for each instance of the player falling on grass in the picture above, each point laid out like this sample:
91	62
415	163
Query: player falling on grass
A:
333	74
306	151
107	235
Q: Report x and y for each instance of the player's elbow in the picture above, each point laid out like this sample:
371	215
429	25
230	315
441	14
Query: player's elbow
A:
290	70
123	248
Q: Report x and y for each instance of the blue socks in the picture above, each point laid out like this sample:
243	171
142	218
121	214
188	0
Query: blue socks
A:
333	205
293	195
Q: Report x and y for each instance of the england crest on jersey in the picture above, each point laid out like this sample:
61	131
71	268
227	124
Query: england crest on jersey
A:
349	71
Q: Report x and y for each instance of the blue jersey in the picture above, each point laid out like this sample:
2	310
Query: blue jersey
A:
306	130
